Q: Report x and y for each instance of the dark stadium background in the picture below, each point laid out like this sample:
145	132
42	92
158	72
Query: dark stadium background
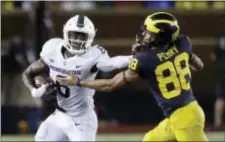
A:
25	26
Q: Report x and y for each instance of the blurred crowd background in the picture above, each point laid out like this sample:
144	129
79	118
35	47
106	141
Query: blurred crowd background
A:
88	5
26	25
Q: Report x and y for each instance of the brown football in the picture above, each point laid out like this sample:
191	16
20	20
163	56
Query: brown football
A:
50	94
42	79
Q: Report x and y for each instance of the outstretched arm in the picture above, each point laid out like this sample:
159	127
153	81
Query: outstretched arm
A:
105	85
113	63
128	76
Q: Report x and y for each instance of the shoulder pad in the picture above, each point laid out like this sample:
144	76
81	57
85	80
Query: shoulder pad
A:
142	55
99	50
183	41
184	38
50	47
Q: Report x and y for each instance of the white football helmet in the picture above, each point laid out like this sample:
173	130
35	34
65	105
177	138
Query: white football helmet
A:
79	33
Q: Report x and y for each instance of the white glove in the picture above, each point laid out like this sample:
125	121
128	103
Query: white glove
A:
38	92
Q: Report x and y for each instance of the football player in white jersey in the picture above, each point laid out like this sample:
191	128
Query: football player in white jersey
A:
74	119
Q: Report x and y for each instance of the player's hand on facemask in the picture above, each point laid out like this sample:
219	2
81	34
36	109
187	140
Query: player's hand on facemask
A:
68	80
38	92
136	48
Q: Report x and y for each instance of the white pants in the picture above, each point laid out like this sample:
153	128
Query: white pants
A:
60	126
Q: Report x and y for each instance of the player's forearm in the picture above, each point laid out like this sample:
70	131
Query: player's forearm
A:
103	85
196	63
33	70
28	80
113	63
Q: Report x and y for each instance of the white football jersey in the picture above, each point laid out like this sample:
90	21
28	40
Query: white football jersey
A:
74	99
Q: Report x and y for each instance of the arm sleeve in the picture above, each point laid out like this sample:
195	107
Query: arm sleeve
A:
184	43
137	64
110	64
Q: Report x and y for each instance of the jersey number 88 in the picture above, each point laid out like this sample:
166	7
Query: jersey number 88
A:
176	76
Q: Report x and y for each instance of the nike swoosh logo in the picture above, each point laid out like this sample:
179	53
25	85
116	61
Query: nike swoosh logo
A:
78	66
76	124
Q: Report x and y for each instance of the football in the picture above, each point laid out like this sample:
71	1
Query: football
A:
42	79
50	94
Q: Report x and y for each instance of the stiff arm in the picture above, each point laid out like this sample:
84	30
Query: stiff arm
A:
113	63
107	85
